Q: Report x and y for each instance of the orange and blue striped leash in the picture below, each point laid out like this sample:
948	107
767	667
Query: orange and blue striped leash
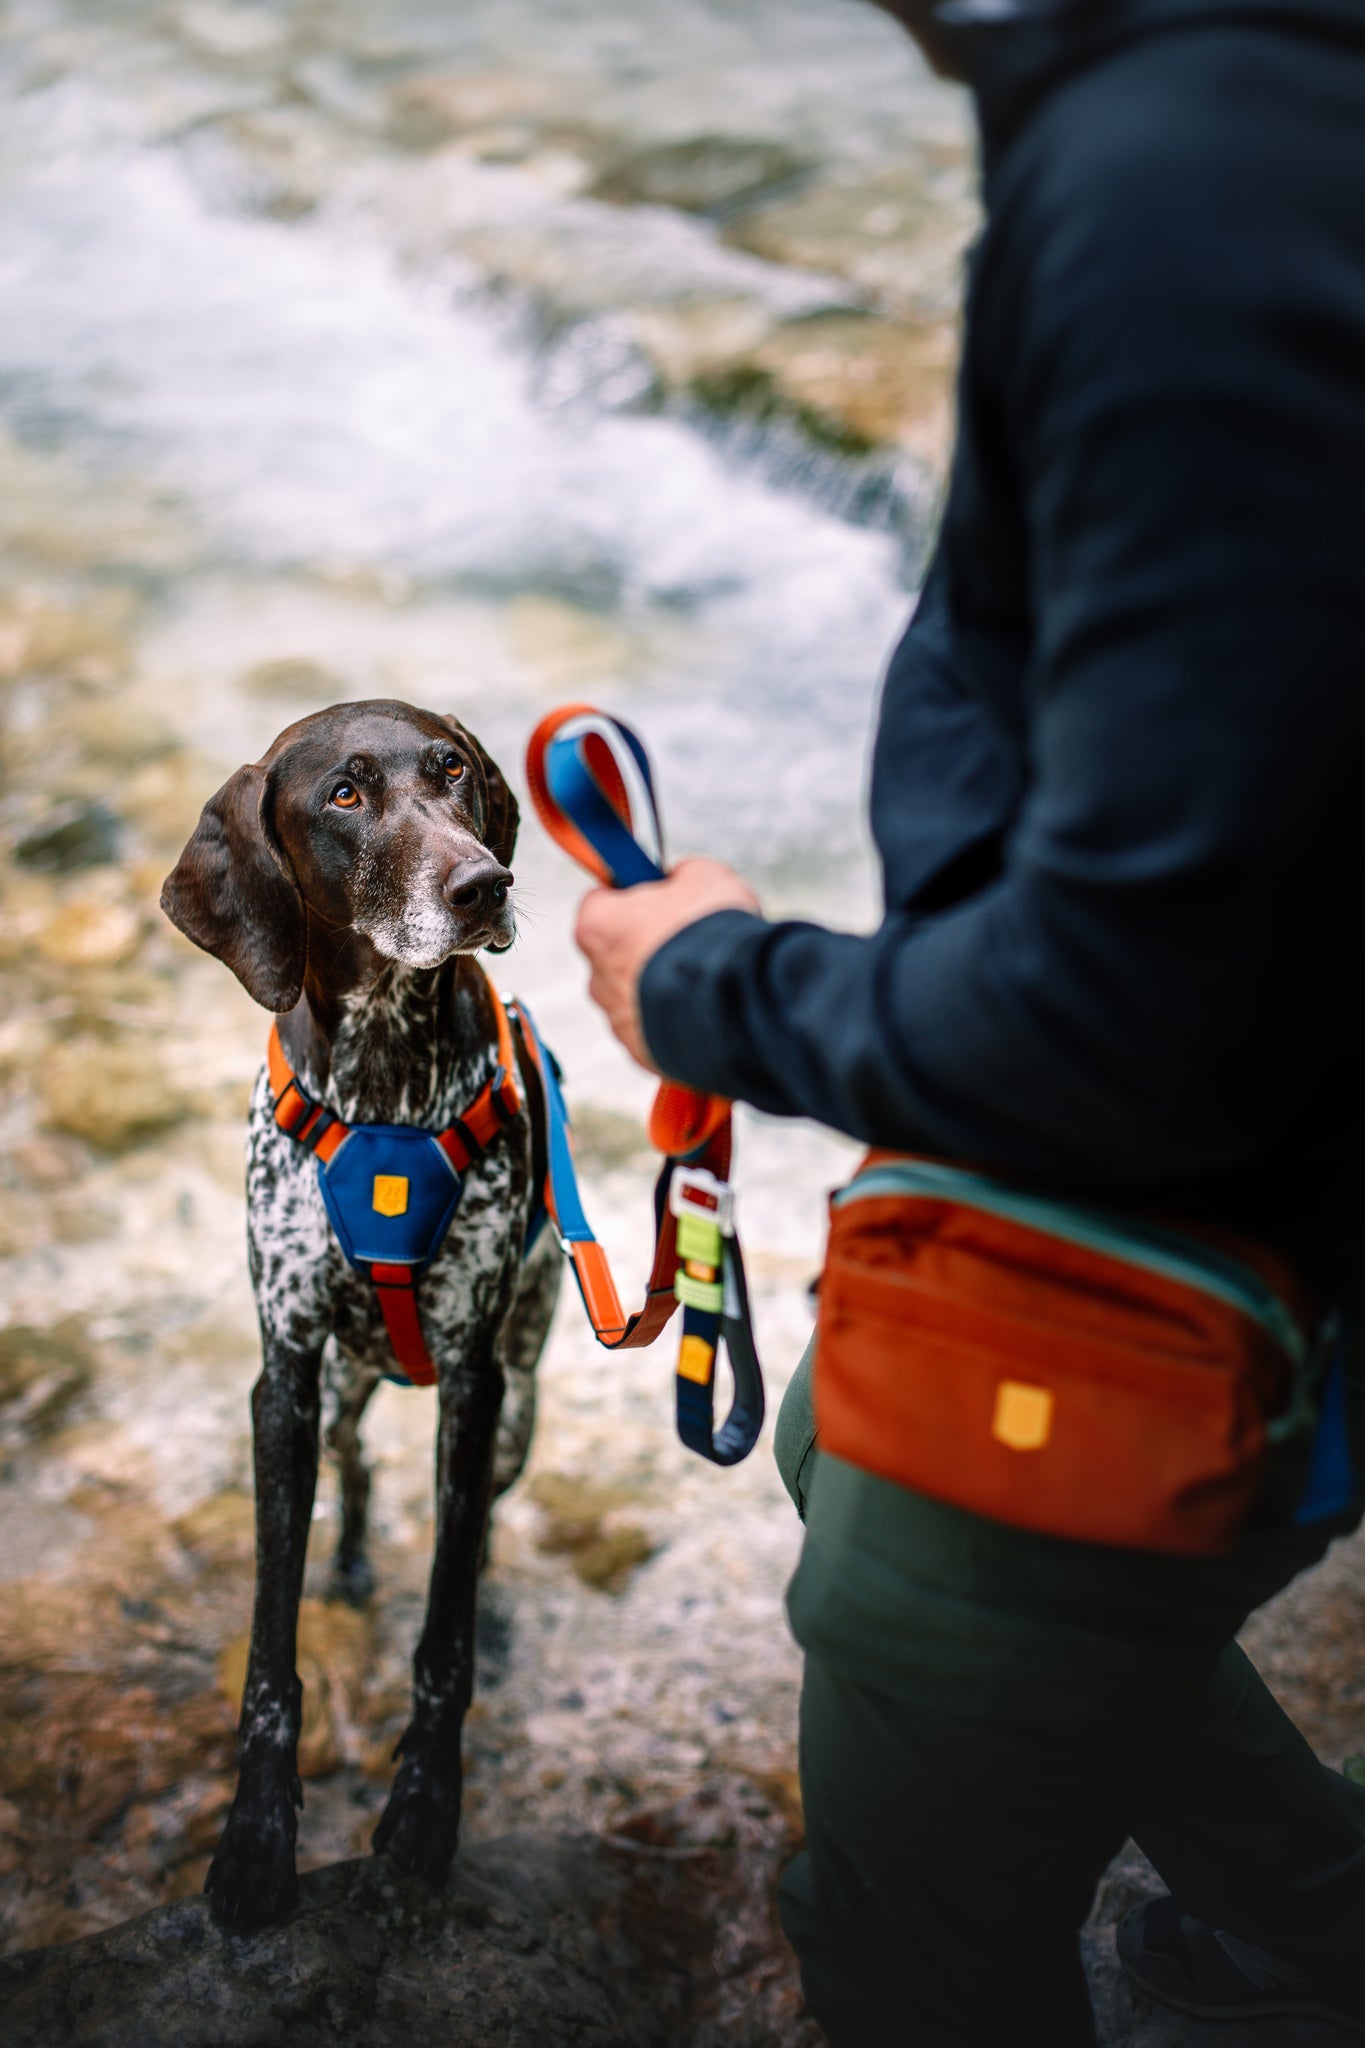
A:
593	788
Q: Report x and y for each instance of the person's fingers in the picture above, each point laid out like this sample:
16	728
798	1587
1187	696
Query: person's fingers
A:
587	924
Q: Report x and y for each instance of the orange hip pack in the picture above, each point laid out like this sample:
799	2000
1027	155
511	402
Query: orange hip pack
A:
1052	1366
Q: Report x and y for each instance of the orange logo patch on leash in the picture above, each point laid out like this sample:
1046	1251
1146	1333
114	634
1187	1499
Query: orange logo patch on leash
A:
695	1360
391	1194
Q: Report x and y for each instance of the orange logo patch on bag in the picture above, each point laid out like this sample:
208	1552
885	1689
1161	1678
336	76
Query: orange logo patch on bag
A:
1163	1358
391	1194
1023	1416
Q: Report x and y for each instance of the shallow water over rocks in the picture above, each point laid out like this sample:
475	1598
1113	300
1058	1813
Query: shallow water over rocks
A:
482	356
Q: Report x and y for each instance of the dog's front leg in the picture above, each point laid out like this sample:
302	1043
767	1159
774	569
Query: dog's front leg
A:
421	1823
251	1879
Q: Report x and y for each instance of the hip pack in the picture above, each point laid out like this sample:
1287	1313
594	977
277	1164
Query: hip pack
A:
1053	1366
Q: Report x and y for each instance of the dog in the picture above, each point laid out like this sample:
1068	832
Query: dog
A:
348	880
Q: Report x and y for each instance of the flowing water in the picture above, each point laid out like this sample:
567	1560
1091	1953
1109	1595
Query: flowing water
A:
325	372
422	350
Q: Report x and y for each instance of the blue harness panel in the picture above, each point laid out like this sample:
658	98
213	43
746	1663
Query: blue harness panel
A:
391	1194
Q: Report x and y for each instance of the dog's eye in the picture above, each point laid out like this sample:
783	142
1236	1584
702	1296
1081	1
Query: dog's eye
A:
454	767
345	796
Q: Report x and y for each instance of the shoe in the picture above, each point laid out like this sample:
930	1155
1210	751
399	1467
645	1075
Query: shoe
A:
1203	1970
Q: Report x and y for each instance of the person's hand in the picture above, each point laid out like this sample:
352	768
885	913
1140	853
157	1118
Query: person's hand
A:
619	929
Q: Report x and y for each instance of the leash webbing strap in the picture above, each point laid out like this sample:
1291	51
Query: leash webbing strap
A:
611	1325
715	1307
593	789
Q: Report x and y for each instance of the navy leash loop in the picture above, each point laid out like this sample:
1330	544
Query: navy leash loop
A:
695	1398
591	761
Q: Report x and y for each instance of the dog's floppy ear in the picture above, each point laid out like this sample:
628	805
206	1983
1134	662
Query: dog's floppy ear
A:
231	893
502	815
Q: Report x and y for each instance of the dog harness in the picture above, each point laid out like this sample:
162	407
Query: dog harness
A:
391	1190
591	783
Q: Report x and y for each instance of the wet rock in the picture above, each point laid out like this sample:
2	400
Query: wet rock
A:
109	1717
232	32
41	635
113	732
80	833
685	341
42	1375
567	1497
294	676
90	931
221	1531
79	1748
606	1138
48	1162
112	1093
710	174
335	1651
662	1934
565	645
605	1559
278	160
426	113
582	1523
895	238
1126	2019
853	384
165	798
586	258
508	1954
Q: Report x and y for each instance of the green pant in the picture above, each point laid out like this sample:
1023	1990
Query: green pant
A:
987	1715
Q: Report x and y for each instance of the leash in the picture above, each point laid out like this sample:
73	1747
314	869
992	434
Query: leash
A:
391	1190
593	789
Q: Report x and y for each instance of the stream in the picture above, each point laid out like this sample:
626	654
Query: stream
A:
485	355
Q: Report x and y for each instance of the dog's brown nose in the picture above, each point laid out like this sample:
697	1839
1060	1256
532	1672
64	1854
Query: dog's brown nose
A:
478	886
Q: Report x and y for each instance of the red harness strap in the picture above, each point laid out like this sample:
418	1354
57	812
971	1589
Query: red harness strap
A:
397	1293
309	1123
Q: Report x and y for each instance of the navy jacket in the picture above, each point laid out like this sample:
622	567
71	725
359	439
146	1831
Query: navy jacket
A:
1117	787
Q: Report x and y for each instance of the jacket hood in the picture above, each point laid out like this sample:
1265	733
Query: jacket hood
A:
1012	51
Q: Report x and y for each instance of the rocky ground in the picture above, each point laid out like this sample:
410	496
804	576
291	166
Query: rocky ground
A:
637	1688
485	357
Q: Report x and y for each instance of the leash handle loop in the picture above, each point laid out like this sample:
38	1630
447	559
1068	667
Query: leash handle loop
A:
593	789
695	1380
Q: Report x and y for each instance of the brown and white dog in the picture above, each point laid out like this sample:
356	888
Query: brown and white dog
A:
348	879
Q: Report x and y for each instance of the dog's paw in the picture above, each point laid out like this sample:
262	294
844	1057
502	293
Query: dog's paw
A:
251	1880
420	1826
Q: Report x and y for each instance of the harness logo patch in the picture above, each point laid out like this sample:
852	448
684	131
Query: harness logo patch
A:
391	1194
1023	1416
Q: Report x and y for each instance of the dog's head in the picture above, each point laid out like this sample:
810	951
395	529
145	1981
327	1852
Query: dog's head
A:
371	818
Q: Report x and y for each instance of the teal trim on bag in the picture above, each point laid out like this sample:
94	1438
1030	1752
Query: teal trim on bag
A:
1144	1245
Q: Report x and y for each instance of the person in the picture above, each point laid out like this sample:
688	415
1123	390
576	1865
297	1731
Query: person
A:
1116	796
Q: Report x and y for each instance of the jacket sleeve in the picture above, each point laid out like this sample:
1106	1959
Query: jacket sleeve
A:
1138	992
